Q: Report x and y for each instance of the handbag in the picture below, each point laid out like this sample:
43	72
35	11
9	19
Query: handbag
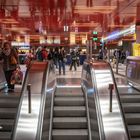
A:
13	60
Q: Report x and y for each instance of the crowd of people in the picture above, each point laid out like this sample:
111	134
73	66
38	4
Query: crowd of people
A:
57	55
9	56
118	54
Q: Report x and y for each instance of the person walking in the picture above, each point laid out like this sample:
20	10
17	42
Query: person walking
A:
10	61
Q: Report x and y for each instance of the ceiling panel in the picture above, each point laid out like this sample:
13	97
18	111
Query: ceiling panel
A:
52	15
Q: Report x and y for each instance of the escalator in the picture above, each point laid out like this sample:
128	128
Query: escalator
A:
97	76
69	115
130	95
66	112
8	109
72	113
131	106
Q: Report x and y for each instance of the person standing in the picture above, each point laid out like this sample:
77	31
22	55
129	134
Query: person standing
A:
56	52
61	60
10	60
39	54
73	60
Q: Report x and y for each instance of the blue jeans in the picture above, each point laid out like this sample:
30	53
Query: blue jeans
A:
61	66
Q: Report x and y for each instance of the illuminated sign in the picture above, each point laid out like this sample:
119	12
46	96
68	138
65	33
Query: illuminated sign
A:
118	34
13	43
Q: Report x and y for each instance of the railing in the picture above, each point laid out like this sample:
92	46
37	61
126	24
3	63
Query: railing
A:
34	68
43	103
20	103
90	90
87	111
98	108
119	100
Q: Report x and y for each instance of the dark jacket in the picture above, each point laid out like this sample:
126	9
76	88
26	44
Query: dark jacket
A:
7	65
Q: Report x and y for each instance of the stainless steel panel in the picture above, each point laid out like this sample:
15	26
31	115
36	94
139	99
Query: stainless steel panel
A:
133	71
96	78
27	122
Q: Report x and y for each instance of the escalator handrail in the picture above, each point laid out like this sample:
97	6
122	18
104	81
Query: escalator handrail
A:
98	108
42	106
51	116
42	103
88	118
120	105
20	103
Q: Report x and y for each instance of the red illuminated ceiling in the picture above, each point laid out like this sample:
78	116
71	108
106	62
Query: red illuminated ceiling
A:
50	16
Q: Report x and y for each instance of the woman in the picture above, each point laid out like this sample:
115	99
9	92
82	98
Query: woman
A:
61	60
10	60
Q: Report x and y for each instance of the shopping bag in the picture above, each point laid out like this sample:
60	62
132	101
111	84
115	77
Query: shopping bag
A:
17	77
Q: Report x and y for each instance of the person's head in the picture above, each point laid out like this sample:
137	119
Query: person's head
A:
7	48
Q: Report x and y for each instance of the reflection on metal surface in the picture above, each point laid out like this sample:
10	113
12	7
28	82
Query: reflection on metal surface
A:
27	123
115	130
133	71
111	124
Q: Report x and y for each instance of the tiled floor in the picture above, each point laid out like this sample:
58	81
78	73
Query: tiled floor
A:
71	78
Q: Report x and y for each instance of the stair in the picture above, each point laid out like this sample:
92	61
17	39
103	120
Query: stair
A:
131	106
8	109
69	116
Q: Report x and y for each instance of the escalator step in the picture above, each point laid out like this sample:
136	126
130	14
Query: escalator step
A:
10	96
69	101
5	135
130	98
69	122
138	138
131	107
74	111
70	94
70	134
7	113
6	124
134	130
133	118
8	103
